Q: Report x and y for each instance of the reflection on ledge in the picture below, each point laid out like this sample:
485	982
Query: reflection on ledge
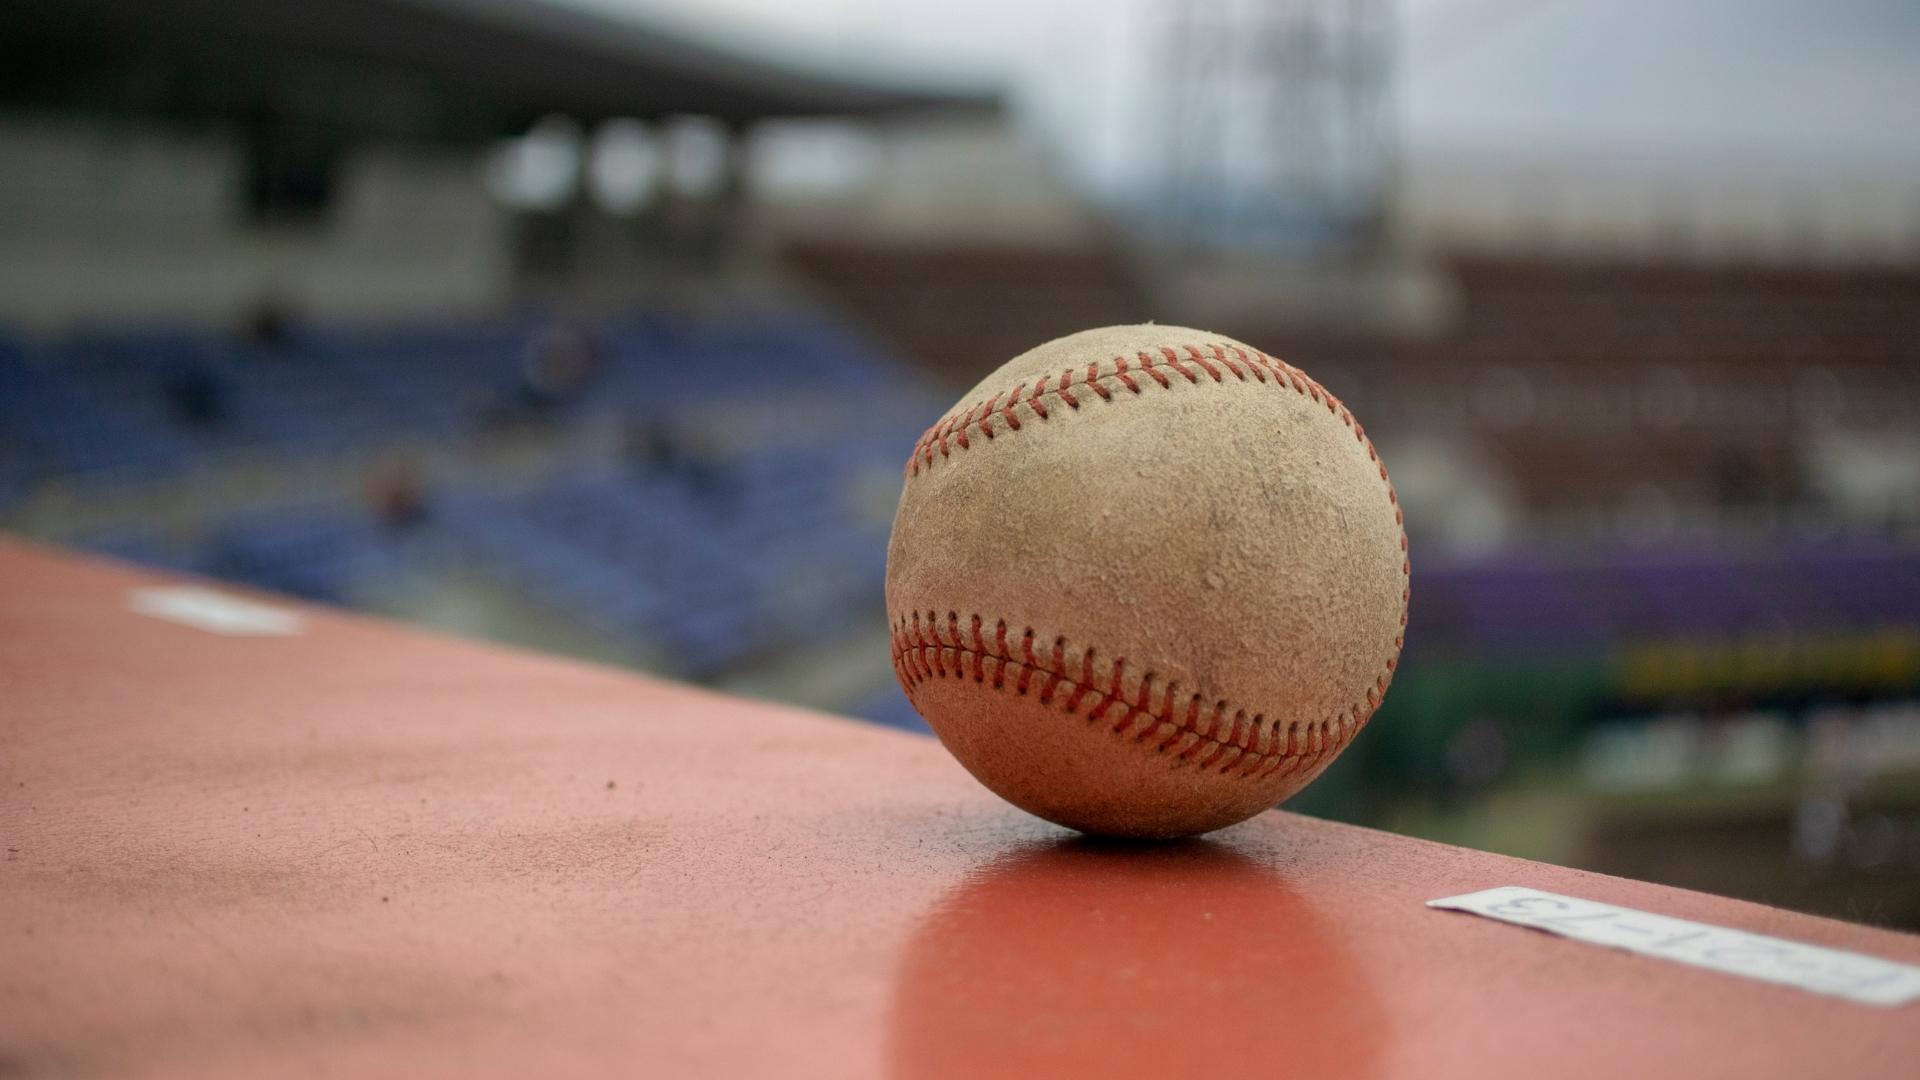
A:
1097	959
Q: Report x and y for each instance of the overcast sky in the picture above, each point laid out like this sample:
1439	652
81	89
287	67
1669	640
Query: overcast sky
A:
1797	81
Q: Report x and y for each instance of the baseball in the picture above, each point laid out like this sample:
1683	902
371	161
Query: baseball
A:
1146	581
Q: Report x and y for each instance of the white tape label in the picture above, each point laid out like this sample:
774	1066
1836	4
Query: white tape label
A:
214	611
1865	979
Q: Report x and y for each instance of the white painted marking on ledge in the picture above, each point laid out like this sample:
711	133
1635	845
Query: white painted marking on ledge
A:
1868	980
214	611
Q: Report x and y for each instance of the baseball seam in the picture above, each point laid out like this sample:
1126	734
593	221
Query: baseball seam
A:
1181	724
1250	745
954	429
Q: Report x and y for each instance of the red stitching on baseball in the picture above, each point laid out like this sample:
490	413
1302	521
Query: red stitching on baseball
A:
1189	729
1084	683
1259	373
939	661
1220	354
1092	381
1034	395
954	427
1205	364
1173	361
1054	671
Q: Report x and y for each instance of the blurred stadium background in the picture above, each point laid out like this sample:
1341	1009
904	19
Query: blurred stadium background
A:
605	327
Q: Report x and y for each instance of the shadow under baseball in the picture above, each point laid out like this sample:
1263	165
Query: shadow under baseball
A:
1081	957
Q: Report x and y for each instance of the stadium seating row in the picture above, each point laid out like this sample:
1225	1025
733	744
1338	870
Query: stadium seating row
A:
709	547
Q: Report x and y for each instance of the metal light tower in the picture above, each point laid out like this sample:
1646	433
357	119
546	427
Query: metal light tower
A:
1277	124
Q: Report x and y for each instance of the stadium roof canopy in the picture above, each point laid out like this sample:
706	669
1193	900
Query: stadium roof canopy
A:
439	70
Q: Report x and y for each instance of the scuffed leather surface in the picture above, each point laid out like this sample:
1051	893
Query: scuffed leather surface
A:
1231	536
